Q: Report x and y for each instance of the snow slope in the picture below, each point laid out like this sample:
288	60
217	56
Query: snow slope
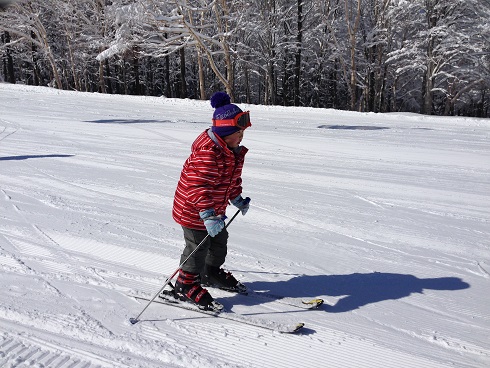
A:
386	216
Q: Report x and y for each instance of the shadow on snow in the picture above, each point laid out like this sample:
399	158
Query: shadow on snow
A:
127	121
140	121
26	157
352	127
357	289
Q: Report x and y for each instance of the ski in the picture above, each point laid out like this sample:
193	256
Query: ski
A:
294	302
240	318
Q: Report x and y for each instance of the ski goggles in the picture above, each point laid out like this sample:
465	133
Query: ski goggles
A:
242	121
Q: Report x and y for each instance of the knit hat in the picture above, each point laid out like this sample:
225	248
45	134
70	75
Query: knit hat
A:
224	109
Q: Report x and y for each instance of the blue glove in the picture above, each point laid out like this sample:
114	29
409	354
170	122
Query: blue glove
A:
243	204
214	224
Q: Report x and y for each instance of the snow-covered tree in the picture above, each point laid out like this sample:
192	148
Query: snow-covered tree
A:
162	28
441	46
429	56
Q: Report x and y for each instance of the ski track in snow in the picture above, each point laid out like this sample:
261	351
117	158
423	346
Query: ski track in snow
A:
389	226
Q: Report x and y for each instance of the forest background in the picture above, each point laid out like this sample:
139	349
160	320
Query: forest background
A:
423	56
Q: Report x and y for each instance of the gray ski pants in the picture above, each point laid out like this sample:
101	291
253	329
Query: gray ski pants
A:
212	252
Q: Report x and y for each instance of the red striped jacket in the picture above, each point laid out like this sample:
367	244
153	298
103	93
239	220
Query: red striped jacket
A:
211	176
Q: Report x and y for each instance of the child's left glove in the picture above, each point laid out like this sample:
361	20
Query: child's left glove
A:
243	204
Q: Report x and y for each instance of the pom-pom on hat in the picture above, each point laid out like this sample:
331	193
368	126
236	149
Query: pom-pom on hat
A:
224	109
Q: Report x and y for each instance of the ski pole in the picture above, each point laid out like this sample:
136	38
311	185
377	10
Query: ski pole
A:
167	281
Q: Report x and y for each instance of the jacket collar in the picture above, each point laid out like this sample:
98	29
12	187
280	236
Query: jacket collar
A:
214	138
221	143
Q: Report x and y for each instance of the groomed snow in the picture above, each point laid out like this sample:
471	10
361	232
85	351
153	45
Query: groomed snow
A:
385	216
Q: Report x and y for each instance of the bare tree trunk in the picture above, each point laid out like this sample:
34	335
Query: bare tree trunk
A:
285	80
378	76
429	83
183	83
352	33
136	71
35	68
8	60
168	89
72	60
125	77
108	74
101	78
224	30
270	97
202	86
430	67
247	85
297	63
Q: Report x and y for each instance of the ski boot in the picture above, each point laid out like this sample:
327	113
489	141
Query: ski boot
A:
217	277
188	289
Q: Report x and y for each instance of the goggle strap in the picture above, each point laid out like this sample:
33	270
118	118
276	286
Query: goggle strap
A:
224	123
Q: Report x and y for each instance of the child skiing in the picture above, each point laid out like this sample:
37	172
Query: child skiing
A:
210	179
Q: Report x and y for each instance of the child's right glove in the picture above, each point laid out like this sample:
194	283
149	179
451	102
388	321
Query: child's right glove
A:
214	224
243	204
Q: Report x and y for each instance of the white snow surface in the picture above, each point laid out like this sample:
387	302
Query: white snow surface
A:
385	216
